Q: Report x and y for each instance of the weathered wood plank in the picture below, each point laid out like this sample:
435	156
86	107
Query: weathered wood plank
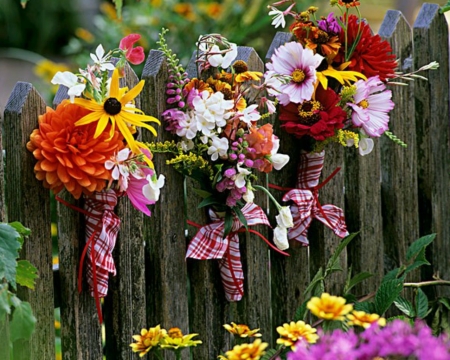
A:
399	165
28	202
125	305
289	275
430	33
80	328
167	300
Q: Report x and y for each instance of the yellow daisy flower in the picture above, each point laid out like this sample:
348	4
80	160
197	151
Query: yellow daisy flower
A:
294	331
340	74
329	307
147	340
253	351
175	340
118	109
360	318
241	330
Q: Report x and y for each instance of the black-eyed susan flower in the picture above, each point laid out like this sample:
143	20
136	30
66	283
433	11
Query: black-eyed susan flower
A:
360	318
329	307
241	330
294	331
147	340
117	109
175	340
253	351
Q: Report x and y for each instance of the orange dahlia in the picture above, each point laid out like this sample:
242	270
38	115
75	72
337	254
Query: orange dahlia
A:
69	156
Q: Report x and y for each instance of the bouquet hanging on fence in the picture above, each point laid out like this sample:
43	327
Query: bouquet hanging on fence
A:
87	146
223	144
330	81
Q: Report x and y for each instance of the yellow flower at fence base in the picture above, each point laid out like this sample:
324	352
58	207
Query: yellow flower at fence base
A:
294	331
329	307
360	318
147	340
118	110
253	351
241	330
176	340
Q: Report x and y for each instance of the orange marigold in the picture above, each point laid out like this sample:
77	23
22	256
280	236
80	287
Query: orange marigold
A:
68	155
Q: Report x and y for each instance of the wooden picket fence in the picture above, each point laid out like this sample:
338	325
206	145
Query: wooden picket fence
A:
392	196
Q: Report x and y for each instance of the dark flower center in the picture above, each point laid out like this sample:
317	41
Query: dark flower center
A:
227	93
112	106
308	111
322	37
240	66
323	65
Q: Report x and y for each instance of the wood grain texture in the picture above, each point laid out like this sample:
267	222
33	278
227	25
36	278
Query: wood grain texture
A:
80	328
431	39
125	305
399	189
167	299
289	275
28	202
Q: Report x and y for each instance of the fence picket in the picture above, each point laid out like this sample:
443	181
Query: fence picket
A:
431	43
29	203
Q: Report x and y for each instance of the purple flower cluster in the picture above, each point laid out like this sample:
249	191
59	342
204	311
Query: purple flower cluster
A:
329	24
175	87
397	340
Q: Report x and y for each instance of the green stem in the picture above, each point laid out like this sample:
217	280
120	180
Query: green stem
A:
259	187
427	283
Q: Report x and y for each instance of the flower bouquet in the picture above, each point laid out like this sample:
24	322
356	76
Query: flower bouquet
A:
87	146
222	145
331	83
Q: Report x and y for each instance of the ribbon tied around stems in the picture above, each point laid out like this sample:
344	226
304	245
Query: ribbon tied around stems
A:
305	198
101	228
210	243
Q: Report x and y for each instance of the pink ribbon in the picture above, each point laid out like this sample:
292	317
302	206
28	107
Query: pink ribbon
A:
306	200
210	243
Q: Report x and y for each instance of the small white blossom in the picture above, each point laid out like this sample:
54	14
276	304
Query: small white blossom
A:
69	80
224	61
240	177
249	195
284	218
280	238
101	60
152	190
365	146
120	171
250	114
188	126
219	147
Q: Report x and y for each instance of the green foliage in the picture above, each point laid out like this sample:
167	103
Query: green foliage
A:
15	312
445	8
395	139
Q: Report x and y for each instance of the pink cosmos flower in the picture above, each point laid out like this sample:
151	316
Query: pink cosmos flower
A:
134	55
300	64
371	106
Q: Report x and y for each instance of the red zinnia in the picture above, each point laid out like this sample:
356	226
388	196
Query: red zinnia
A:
317	118
372	55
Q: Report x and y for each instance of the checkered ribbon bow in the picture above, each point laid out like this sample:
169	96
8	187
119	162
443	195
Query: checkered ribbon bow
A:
306	203
209	243
102	226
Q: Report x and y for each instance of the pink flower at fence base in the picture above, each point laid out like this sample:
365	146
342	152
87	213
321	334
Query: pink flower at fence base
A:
209	243
102	226
306	203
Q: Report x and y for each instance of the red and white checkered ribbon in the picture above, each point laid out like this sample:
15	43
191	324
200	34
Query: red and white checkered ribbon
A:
306	203
102	226
209	243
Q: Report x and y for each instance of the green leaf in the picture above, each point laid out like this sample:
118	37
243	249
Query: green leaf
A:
421	304
118	4
23	321
387	294
301	311
22	230
357	279
417	246
228	224
241	217
208	202
9	246
333	261
26	274
5	306
366	306
445	8
318	277
319	289
445	302
330	325
269	354
202	193
405	306
391	275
